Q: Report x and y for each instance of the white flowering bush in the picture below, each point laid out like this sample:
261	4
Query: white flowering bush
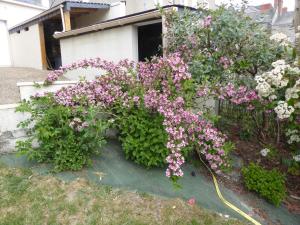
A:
279	90
280	38
281	87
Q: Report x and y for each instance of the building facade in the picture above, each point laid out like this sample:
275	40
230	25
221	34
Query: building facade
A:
72	30
12	13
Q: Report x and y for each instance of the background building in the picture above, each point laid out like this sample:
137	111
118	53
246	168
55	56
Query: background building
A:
71	30
12	13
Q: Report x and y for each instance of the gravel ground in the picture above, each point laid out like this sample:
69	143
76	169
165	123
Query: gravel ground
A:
9	76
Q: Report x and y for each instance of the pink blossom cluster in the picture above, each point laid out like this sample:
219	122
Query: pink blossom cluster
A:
183	127
238	96
241	95
110	67
161	80
156	73
225	62
207	21
186	128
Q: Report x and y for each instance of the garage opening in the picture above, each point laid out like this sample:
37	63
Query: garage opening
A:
52	45
150	41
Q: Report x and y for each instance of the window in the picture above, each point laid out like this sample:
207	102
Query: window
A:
149	41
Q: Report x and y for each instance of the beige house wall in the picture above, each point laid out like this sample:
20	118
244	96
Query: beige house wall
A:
111	44
134	6
15	12
116	10
11	13
26	49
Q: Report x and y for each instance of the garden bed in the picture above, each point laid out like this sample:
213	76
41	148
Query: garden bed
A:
249	151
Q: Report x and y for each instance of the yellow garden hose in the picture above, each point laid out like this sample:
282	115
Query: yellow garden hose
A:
233	207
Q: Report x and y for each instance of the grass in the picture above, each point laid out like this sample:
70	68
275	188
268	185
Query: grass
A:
28	198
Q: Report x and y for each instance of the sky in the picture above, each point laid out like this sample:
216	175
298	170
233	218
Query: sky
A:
286	3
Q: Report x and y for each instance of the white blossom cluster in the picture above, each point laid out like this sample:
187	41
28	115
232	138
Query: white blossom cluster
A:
293	136
293	92
283	110
269	81
264	152
296	158
281	38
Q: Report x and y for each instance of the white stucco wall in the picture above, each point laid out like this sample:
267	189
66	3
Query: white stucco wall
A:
16	12
116	10
111	44
13	13
5	59
133	6
26	49
9	119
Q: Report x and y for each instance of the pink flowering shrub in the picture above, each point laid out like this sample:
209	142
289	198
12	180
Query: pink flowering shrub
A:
162	86
240	95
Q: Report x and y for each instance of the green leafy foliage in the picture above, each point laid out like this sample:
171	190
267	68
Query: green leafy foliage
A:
143	137
64	136
231	34
268	184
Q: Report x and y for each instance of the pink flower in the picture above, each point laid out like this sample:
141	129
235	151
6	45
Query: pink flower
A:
191	201
207	21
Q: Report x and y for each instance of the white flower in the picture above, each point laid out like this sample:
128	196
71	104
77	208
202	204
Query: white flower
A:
279	62
264	89
296	158
272	97
293	136
294	69
289	132
281	38
267	81
291	93
283	110
283	83
294	139
264	152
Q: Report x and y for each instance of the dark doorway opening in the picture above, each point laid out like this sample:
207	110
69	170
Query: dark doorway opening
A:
149	41
52	45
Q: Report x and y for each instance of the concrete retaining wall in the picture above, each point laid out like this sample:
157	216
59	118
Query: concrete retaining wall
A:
10	133
28	89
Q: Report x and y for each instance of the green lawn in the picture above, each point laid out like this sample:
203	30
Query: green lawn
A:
27	198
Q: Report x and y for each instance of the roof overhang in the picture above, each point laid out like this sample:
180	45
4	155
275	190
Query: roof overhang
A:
117	22
52	12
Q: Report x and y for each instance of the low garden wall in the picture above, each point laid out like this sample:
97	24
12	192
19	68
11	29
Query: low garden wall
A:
28	89
9	119
9	131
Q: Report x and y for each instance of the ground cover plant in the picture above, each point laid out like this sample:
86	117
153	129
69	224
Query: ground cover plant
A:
269	184
27	198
